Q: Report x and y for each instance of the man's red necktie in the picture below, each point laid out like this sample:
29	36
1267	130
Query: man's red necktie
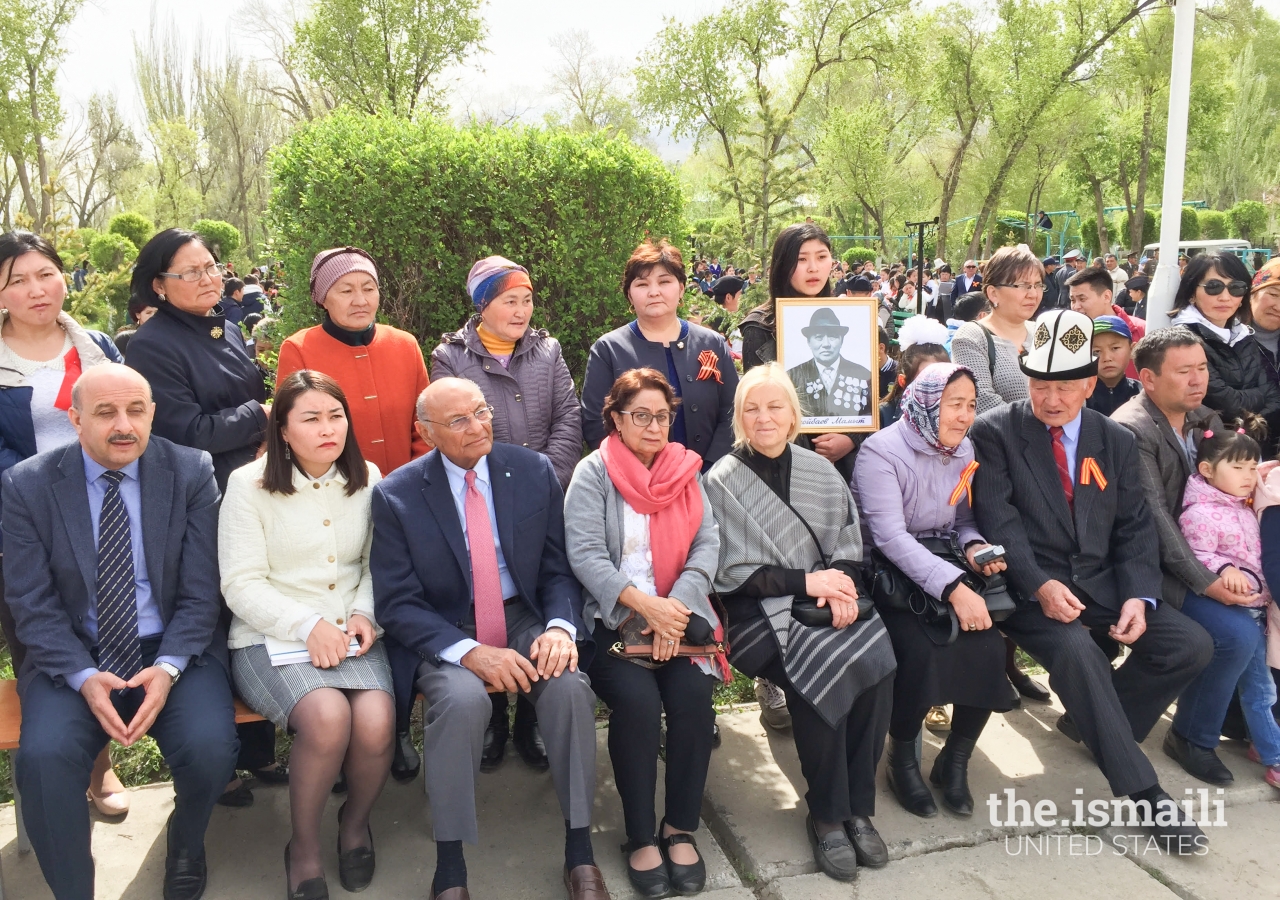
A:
1064	472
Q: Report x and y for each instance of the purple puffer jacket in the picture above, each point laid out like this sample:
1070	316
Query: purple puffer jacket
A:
534	401
1222	531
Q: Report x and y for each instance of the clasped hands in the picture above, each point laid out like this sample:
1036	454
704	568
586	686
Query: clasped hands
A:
667	620
1232	588
1060	604
97	694
505	669
835	589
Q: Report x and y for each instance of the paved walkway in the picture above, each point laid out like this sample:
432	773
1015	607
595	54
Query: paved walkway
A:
754	841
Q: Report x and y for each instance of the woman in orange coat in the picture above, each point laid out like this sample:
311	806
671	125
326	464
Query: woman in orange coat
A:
382	372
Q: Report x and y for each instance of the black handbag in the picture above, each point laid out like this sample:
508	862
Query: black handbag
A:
807	611
892	590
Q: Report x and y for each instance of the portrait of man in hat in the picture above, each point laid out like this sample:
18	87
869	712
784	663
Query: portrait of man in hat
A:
829	384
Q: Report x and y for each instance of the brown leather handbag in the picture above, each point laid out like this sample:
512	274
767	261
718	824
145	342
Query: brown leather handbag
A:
636	647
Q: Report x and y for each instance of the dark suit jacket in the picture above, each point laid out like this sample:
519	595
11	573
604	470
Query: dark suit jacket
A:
1108	550
964	285
420	565
51	564
1164	471
815	400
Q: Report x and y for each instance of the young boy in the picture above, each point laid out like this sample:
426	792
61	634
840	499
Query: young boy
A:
1112	344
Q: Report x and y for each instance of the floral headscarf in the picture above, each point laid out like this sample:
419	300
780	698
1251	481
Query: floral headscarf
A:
922	403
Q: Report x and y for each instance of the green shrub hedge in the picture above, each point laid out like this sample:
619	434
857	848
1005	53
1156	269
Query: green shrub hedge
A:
427	200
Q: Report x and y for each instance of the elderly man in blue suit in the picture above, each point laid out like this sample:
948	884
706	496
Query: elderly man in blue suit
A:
472	584
111	573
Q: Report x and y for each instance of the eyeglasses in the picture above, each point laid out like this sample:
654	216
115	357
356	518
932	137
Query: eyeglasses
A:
642	418
1213	287
460	423
1025	287
968	266
194	276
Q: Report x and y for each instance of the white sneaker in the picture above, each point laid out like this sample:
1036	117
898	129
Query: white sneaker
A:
773	705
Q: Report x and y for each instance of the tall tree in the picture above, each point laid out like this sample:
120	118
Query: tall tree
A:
96	158
388	54
273	26
590	87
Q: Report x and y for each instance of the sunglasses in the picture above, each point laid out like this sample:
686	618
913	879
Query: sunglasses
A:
1213	287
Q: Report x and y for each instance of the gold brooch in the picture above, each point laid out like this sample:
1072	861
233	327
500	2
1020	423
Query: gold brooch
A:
215	332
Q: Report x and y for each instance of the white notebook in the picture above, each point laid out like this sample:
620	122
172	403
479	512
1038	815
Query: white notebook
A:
286	653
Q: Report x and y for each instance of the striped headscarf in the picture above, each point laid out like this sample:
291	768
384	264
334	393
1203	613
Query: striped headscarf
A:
492	276
922	403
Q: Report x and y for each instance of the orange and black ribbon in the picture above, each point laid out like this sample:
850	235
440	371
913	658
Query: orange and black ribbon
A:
965	487
710	366
1090	472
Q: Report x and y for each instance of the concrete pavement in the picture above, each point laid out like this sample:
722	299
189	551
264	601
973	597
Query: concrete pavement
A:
754	842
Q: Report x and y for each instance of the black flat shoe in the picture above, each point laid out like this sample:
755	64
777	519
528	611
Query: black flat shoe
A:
278	774
406	762
906	782
184	876
1028	688
690	879
311	889
1198	762
1068	727
1184	838
355	867
495	741
652	883
867	843
237	798
528	743
833	852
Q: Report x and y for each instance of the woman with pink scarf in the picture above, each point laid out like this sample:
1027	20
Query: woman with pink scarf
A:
654	557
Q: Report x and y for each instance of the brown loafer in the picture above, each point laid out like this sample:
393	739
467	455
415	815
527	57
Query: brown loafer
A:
585	883
455	893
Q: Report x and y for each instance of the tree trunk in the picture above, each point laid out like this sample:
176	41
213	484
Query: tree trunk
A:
951	183
24	181
1139	215
42	160
1099	207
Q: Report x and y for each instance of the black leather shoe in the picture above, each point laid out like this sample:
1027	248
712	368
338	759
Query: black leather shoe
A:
867	843
1028	688
277	774
1068	727
355	867
1199	762
238	798
690	879
495	740
906	782
833	852
527	737
951	773
406	762
184	875
311	889
654	882
1184	838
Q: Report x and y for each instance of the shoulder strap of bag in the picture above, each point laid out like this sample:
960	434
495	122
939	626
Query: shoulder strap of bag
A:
991	352
826	564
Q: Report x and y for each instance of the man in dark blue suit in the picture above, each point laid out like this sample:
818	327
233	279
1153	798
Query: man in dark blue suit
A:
111	571
472	584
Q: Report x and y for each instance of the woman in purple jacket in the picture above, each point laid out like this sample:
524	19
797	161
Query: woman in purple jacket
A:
911	482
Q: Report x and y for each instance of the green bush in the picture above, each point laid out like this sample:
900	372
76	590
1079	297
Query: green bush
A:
76	246
858	255
1089	237
224	236
110	251
427	200
1004	233
1248	220
136	227
1190	228
1213	224
1149	232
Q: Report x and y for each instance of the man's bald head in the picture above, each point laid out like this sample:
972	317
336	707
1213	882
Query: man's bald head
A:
111	409
109	377
456	400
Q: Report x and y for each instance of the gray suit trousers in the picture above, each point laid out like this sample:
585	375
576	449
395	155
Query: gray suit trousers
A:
457	709
1114	709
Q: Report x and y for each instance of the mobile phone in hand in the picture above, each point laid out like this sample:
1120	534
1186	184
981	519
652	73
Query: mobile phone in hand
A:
989	555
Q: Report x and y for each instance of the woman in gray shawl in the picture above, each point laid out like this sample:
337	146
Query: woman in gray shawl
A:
784	540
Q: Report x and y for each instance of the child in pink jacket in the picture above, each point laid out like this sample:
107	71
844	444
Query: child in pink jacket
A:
1222	529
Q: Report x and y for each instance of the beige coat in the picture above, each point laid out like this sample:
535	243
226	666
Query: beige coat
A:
286	559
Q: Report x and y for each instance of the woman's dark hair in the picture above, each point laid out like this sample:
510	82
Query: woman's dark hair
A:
155	257
783	262
1198	270
19	243
628	385
277	477
230	286
912	360
1238	442
649	256
970	306
136	306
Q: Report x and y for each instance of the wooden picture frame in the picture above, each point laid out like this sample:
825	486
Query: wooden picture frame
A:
806	326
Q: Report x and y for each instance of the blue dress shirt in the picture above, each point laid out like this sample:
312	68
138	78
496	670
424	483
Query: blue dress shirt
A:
150	622
458	488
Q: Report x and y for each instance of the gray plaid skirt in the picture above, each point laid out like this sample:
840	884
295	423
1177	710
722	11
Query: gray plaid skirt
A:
273	691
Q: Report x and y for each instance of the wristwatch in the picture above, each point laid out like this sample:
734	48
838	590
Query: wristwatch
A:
172	671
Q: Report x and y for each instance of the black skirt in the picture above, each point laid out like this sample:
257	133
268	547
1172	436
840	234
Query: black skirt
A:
968	672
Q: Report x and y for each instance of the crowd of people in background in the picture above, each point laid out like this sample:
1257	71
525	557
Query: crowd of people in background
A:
360	523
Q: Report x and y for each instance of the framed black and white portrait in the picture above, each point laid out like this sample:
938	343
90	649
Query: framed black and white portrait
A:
828	347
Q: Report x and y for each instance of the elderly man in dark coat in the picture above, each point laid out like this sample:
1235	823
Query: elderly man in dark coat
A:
829	384
1056	486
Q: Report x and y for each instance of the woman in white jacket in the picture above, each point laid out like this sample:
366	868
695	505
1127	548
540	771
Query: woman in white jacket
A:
293	547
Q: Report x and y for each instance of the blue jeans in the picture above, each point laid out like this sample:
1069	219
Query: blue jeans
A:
1239	664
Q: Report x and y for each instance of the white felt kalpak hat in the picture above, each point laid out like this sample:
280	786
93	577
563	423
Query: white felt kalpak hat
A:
1061	347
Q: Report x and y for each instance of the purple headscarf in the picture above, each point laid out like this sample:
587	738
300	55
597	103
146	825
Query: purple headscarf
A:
922	403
